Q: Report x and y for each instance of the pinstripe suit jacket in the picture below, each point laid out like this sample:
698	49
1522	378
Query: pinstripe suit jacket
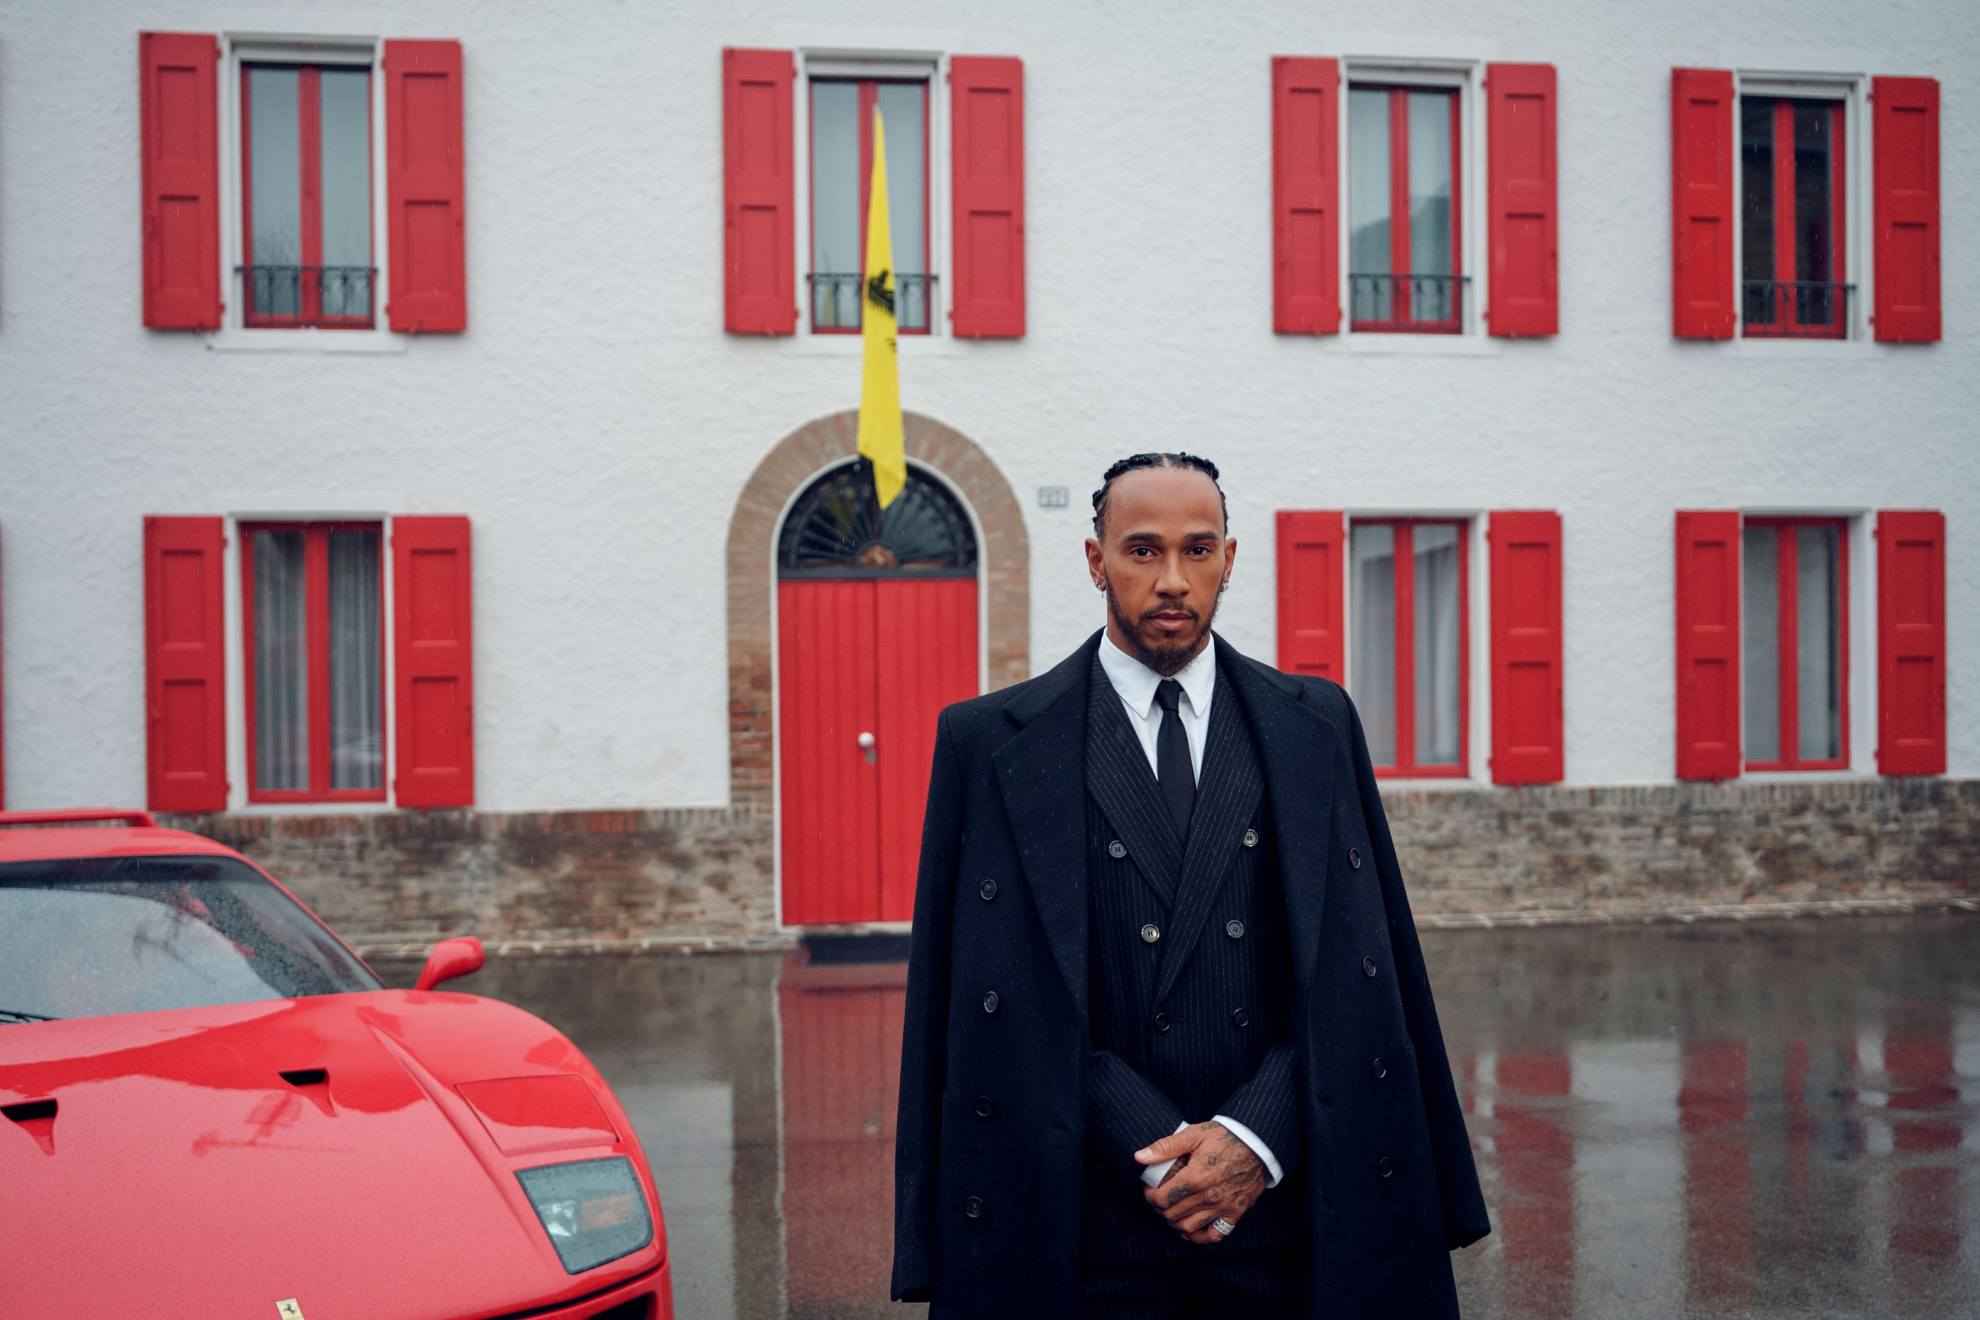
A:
998	1057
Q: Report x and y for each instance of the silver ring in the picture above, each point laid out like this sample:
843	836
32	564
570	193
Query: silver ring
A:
1223	1226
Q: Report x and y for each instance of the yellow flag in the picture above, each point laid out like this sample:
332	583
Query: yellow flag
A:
880	436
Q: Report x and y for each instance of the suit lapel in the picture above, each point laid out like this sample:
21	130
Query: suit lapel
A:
1118	776
1227	794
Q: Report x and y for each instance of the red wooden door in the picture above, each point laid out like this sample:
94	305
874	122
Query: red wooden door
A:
864	667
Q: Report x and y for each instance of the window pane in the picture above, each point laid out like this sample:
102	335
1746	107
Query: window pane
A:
1814	218
1759	626
274	194
1435	549
1756	213
281	662
835	204
901	109
1430	204
1818	641
357	735
346	97
1372	588
1368	204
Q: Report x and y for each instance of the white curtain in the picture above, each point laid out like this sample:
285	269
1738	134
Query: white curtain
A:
281	662
1437	678
357	741
1372	666
1817	667
1760	640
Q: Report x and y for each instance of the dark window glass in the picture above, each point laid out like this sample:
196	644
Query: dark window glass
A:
1756	184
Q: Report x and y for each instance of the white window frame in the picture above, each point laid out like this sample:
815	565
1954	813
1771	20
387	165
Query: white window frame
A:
1467	76
236	49
874	62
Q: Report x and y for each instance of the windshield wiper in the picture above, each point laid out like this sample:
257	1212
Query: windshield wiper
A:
15	1015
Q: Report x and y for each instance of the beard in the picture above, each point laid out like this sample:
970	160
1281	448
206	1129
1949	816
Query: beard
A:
1165	659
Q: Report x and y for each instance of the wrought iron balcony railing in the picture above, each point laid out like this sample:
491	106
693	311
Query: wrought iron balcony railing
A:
336	296
836	300
1431	304
1795	309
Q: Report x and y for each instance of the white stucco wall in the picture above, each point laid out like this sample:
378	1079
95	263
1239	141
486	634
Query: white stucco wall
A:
597	424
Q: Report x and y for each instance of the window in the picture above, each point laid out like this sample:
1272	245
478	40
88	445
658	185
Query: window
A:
1410	648
1405	270
306	202
1791	217
841	171
313	613
1794	621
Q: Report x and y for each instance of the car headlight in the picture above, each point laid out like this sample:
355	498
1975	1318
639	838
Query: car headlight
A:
592	1209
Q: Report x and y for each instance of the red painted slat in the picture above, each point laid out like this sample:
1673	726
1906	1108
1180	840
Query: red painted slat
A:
1905	112
1702	203
1708	610
425	187
1306	298
433	661
1911	642
1527	743
1312	580
927	659
1522	197
178	79
987	194
757	189
185	681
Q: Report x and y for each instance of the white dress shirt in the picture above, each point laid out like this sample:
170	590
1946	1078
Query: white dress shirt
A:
1135	683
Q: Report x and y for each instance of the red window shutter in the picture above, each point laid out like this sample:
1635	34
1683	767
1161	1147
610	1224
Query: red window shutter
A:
986	104
1521	189
1312	579
1701	203
1708	610
1911	642
425	187
184	655
1306	192
433	662
1527	743
757	147
1905	112
178	80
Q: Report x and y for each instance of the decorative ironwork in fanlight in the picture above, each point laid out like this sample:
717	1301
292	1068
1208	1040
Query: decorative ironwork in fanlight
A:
837	529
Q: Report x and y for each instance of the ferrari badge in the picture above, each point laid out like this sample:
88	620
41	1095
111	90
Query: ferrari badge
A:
288	1310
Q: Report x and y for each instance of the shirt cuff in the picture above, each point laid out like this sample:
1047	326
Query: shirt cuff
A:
1258	1148
1155	1173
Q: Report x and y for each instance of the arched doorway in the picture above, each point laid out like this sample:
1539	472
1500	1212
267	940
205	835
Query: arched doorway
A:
876	632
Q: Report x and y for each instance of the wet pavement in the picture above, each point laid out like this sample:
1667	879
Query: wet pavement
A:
1770	1119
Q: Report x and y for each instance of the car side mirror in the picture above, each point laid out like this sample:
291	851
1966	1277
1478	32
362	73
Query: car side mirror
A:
460	956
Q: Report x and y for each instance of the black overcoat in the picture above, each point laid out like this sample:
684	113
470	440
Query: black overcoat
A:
986	1219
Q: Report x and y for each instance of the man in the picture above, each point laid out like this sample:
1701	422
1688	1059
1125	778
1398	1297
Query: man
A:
1170	1048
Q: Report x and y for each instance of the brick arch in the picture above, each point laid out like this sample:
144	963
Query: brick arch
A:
785	470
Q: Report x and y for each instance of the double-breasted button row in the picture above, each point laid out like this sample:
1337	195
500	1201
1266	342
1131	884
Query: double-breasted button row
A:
1117	849
1161	1020
990	1001
1367	966
973	1206
1380	1068
1251	838
1150	933
987	890
1234	928
1384	1167
983	1106
1354	858
1240	1018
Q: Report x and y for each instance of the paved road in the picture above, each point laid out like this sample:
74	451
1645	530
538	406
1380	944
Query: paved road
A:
1776	1119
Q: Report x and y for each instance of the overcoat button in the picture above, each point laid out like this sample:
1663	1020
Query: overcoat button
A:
988	889
1161	1022
1251	838
973	1206
983	1106
1383	1168
1381	1068
1150	933
990	1000
1117	849
1367	967
1234	929
1354	858
1241	1018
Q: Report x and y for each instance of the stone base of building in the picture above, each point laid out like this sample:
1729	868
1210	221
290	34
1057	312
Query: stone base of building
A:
704	877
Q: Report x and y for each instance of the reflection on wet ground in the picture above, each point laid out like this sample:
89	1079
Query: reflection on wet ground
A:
1765	1120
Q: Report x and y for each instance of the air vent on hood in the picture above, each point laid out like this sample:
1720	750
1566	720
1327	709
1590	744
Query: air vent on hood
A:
306	1076
37	1119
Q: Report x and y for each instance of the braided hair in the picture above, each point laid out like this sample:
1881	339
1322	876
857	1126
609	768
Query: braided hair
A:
1158	460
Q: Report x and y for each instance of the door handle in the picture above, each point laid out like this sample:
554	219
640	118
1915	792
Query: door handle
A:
865	741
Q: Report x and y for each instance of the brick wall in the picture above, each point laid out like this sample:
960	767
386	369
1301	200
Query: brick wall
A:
707	872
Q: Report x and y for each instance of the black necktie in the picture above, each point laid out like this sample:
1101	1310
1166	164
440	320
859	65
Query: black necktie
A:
1172	766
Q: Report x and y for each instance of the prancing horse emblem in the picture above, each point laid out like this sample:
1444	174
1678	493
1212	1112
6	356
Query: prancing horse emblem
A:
879	294
288	1310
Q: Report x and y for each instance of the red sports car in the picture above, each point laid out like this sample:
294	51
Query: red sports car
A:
211	1108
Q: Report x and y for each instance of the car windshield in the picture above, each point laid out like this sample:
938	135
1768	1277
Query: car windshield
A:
86	936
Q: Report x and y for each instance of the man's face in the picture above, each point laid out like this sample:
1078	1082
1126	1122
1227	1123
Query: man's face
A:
1162	562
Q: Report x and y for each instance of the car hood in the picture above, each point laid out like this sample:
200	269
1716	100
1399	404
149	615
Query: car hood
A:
354	1152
